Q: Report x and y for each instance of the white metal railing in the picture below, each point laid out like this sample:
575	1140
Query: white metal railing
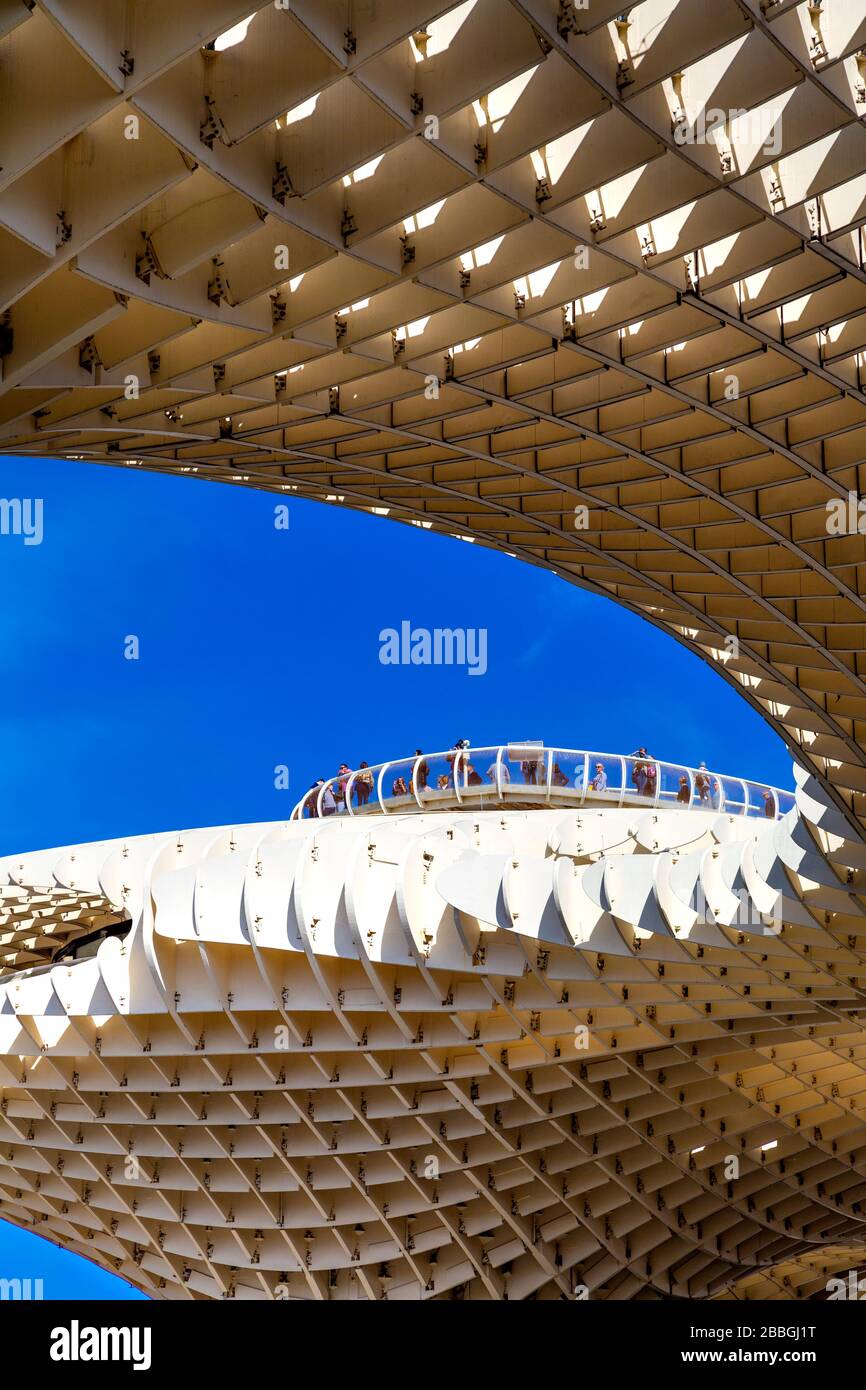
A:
536	774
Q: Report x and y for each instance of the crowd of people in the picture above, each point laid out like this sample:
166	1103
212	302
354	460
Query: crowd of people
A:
338	793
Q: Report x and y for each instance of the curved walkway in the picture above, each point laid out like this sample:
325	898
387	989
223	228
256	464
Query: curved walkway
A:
532	774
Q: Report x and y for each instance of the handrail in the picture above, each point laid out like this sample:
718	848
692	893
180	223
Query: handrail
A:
718	791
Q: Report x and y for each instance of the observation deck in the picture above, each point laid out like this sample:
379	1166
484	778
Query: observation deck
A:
525	775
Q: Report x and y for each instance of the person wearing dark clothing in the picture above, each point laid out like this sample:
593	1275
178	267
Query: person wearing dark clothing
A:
702	784
363	784
344	772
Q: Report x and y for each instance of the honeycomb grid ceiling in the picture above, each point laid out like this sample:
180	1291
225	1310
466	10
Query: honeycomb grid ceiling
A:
485	1054
565	380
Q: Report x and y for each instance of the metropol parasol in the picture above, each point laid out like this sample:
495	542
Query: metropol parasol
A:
584	283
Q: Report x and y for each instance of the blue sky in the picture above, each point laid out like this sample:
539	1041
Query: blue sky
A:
259	647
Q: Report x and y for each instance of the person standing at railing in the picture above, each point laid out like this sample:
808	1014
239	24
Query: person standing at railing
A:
638	777
684	794
528	768
422	771
558	777
769	804
363	784
702	784
344	772
506	772
641	771
599	781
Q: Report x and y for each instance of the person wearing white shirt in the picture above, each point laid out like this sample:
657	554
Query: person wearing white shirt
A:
599	781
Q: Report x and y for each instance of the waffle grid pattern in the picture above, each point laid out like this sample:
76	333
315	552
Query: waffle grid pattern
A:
490	270
613	1053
